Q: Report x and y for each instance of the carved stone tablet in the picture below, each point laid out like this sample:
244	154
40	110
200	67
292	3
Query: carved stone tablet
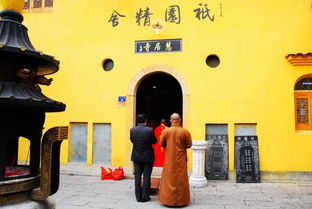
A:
247	159
217	163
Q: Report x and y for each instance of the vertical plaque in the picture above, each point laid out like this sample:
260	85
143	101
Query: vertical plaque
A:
217	157
247	159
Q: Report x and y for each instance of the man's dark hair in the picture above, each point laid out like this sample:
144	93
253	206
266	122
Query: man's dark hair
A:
141	118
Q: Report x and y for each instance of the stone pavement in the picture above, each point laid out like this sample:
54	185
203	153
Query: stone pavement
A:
89	192
95	169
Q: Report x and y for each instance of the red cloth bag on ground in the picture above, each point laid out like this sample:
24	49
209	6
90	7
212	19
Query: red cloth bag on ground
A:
106	174
118	173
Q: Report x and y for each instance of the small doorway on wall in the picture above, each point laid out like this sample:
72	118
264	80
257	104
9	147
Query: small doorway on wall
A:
159	95
78	142
102	140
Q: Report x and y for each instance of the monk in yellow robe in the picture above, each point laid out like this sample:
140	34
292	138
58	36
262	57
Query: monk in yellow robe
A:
174	184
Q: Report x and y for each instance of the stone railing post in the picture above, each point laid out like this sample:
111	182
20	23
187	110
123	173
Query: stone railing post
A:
198	178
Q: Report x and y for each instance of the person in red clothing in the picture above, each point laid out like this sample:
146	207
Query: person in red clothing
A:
158	150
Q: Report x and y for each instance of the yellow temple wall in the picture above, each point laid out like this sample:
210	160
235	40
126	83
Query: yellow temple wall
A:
254	83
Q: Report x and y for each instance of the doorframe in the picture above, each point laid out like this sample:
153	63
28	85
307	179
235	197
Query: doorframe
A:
150	70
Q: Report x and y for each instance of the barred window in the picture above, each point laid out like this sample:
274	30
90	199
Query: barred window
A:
38	5
26	5
302	110
48	3
303	104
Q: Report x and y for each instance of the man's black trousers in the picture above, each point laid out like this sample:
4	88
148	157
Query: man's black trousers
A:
142	192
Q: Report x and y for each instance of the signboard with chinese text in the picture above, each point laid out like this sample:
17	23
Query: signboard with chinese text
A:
158	46
247	159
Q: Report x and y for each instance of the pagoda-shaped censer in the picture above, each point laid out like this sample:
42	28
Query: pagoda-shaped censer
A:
22	114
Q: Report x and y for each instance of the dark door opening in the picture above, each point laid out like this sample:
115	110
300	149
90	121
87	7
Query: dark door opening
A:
159	95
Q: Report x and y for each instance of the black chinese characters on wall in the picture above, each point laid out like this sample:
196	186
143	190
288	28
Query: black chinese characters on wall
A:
172	14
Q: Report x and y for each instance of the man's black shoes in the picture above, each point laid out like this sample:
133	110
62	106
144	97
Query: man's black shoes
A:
146	199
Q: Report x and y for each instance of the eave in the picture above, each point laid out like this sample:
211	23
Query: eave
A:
300	59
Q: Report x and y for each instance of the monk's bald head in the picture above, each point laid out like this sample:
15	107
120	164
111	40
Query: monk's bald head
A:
175	118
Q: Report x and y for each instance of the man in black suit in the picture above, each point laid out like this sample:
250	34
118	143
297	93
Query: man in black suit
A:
142	138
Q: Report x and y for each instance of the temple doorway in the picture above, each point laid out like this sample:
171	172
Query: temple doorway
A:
159	95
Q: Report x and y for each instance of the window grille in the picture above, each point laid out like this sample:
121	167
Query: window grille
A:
302	110
26	5
38	5
303	104
48	3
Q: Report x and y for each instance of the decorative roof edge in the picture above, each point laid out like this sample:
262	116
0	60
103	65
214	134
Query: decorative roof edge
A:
300	59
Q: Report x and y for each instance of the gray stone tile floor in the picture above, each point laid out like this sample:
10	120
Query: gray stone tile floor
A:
90	192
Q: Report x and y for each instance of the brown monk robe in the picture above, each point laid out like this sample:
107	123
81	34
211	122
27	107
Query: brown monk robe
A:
174	184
